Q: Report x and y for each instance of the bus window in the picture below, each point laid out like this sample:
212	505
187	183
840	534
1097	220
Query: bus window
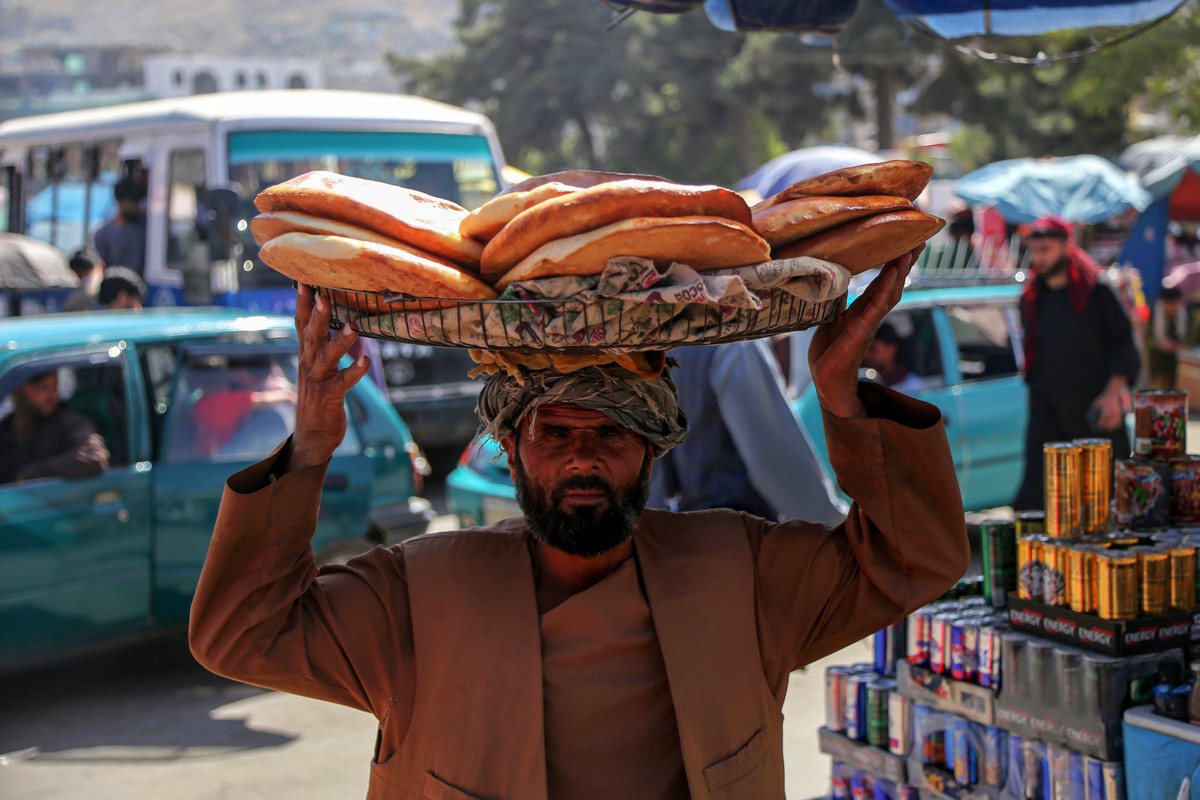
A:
69	192
457	167
187	221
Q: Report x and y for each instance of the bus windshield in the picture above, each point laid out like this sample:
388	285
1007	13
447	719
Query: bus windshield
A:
457	167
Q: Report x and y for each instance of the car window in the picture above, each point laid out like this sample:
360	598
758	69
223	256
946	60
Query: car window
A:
159	364
90	387
231	405
985	344
904	353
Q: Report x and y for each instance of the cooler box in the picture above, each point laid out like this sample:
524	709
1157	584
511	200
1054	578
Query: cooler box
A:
1160	755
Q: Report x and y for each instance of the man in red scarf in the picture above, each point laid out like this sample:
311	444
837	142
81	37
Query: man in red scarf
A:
1080	357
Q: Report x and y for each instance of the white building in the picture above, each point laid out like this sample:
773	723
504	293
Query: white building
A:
176	75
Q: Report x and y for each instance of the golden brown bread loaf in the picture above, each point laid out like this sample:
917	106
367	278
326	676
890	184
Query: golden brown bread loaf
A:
866	243
797	219
899	178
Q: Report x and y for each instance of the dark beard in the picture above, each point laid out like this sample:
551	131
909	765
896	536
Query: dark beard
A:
590	531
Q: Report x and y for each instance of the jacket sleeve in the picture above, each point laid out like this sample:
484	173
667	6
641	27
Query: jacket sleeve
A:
82	454
264	613
902	545
1123	356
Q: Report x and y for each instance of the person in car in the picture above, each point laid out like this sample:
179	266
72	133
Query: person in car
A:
41	438
1080	356
593	648
121	288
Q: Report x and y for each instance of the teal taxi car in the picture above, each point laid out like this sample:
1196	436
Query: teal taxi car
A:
90	559
955	346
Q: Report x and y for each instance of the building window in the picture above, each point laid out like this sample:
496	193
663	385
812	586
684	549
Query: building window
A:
204	82
260	80
239	80
177	77
297	81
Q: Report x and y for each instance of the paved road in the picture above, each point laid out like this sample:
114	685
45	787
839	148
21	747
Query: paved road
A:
144	721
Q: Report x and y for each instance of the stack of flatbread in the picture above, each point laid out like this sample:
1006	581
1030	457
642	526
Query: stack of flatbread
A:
860	217
340	232
572	223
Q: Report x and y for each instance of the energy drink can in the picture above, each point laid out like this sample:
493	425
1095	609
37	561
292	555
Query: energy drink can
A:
989	656
1032	771
1076	778
1093	778
1183	578
1104	685
1082	588
1028	522
1064	500
1039	670
1154	572
899	720
966	756
1068	674
964	649
841	783
1096	484
1160	423
939	641
889	647
999	541
859	789
995	752
1013	670
835	697
1014	766
906	792
1055	572
1184	484
877	712
1117	584
1114	780
1142	494
917	636
856	705
1030	567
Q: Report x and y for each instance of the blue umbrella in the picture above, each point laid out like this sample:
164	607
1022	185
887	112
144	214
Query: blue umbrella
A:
955	19
1084	189
782	171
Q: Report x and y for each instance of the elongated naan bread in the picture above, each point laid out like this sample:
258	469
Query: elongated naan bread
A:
797	219
900	178
866	243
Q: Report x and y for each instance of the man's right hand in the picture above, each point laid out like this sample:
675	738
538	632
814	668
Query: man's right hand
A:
321	386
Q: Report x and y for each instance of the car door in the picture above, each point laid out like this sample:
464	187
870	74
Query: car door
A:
229	406
986	367
75	552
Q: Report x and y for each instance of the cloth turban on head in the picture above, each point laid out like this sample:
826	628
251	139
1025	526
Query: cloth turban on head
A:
647	406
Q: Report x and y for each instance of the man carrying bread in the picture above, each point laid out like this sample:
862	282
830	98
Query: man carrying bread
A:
592	649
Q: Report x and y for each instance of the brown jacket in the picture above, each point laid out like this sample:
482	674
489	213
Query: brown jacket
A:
438	637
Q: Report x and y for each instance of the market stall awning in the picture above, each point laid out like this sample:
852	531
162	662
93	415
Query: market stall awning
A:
797	165
27	264
1169	168
1084	189
955	19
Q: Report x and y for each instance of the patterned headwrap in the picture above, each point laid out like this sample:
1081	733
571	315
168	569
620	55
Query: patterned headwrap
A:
647	406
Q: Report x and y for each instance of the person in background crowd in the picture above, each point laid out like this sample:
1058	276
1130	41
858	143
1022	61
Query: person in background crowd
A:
88	267
1168	333
42	439
121	288
121	242
1080	356
731	394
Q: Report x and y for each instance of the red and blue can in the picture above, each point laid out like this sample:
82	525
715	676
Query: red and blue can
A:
841	783
906	792
835	697
989	656
939	641
964	649
856	705
859	788
995	752
966	756
917	637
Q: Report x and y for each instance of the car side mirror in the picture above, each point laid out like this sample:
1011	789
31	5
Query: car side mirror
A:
222	208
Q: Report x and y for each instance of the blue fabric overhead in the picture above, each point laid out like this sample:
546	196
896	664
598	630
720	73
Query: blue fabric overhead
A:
955	19
782	171
1146	248
1083	189
823	16
657	6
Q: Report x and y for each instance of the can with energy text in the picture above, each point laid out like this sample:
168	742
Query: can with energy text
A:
1096	484
1142	494
1160	423
836	678
1154	573
1082	587
899	720
917	634
856	705
989	655
999	542
1064	500
1055	572
1029	566
1117	585
877	712
1183	577
939	641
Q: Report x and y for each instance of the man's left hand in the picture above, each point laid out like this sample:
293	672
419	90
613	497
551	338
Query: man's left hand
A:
838	348
1110	409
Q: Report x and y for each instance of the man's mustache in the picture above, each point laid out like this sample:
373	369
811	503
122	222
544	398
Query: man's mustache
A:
584	483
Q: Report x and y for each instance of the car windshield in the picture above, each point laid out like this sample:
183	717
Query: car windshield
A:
456	167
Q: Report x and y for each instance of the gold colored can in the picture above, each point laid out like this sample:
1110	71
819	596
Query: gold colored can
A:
1154	573
1117	585
1123	539
1183	578
1029	567
1064	501
1030	522
1056	572
1096	480
1082	586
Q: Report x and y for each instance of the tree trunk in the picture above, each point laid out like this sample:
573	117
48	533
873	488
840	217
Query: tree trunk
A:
885	108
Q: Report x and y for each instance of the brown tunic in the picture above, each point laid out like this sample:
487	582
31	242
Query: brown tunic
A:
606	698
440	637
